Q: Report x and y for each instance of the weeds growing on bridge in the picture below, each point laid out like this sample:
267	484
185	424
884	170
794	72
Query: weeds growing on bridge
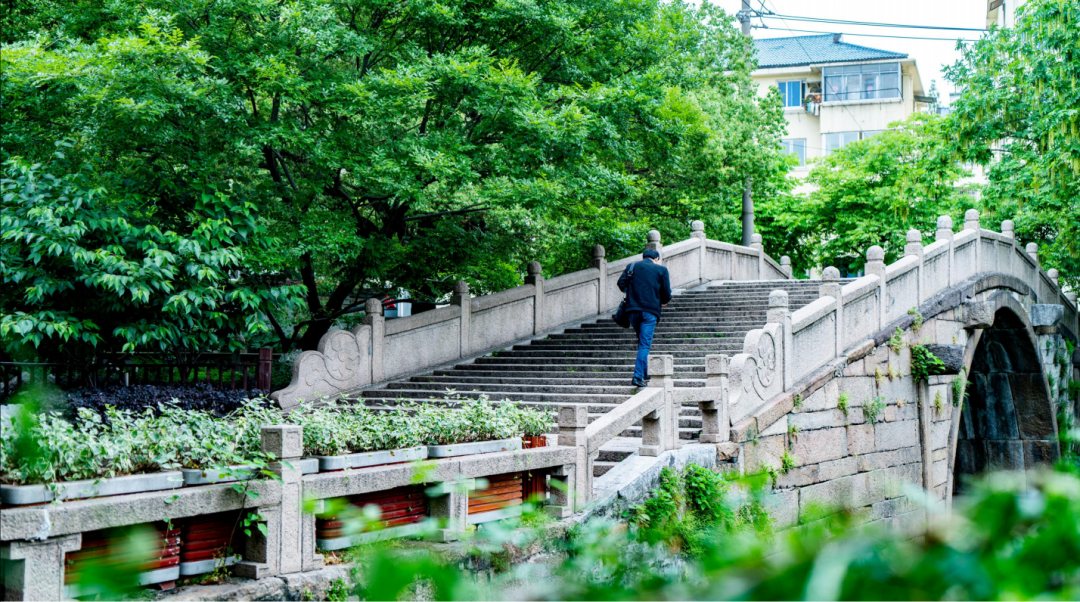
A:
924	363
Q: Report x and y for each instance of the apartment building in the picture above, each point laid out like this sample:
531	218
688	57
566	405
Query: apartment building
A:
835	93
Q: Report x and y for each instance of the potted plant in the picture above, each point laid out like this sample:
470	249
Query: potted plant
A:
534	425
349	436
46	457
478	427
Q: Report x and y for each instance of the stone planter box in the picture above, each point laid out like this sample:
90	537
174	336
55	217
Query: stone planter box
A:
22	495
479	447
209	476
307	465
365	459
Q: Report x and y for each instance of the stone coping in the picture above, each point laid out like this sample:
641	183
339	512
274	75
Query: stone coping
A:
53	520
719	246
682	248
517	293
964	237
935	248
900	267
378	478
808	315
420	320
609	425
571	279
861	287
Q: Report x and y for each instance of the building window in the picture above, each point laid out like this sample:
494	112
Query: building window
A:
838	140
795	147
792	93
862	82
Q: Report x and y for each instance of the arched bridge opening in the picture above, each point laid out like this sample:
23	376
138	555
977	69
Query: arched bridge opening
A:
1007	421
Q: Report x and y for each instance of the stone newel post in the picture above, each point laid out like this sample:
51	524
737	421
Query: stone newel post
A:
785	265
875	264
1053	274
697	230
830	287
971	219
374	318
653	238
715	420
1033	252
463	299
600	264
914	248
660	428
779	313
34	570
573	419
536	278
1008	228
755	244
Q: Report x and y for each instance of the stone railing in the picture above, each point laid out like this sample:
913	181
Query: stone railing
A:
380	350
35	539
793	345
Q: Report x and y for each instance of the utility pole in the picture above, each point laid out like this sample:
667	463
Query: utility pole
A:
747	196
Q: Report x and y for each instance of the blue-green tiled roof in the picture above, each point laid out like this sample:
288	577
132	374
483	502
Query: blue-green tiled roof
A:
814	50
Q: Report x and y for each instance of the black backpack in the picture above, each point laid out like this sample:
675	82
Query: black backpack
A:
622	317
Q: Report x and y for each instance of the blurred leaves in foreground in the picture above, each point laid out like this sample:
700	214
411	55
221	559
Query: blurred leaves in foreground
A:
1014	536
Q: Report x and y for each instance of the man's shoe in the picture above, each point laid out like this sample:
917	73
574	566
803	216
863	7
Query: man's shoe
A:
647	378
637	382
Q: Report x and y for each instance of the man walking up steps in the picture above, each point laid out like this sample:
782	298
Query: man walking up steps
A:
648	289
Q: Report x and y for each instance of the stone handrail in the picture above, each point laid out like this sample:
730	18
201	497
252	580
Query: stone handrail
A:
794	345
380	350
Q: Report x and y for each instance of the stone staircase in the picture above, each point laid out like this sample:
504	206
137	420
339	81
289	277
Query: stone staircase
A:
593	363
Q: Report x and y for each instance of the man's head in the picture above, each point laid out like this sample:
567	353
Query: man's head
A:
652	254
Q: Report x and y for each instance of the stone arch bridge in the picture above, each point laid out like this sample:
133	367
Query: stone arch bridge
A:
810	380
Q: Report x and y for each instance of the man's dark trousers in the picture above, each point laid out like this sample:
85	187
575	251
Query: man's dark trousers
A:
644	324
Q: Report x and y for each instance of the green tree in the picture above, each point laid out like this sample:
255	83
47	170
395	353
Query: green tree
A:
871	192
1019	115
84	273
402	145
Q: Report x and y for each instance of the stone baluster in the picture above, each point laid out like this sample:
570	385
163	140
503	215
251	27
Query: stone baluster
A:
34	570
697	230
779	313
573	419
600	264
653	238
449	505
830	287
785	265
1053	274
463	300
1071	297
1008	229
660	429
282	548
945	232
875	265
1033	252
715	420
373	317
971	222
914	248
755	244
536	278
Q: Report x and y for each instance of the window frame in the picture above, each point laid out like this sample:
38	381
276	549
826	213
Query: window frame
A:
783	84
842	77
788	147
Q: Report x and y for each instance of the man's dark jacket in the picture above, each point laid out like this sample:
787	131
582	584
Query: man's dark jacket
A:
650	287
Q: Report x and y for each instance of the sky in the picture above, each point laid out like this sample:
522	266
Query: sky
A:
930	55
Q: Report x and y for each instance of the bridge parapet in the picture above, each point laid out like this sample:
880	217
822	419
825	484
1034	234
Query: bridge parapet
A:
381	350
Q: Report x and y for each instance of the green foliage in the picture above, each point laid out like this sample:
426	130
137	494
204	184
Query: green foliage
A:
793	431
842	402
1012	536
959	386
916	324
339	591
939	403
872	192
788	462
403	146
873	408
896	341
84	270
924	364
796	401
1017	116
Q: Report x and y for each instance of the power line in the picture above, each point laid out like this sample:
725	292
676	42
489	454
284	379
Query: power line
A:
773	15
872	35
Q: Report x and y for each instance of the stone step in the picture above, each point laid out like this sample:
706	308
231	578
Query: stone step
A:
541	386
563	397
463	378
584	368
556	354
658	347
690	414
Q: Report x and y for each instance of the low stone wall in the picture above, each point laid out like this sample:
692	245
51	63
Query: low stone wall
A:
35	539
